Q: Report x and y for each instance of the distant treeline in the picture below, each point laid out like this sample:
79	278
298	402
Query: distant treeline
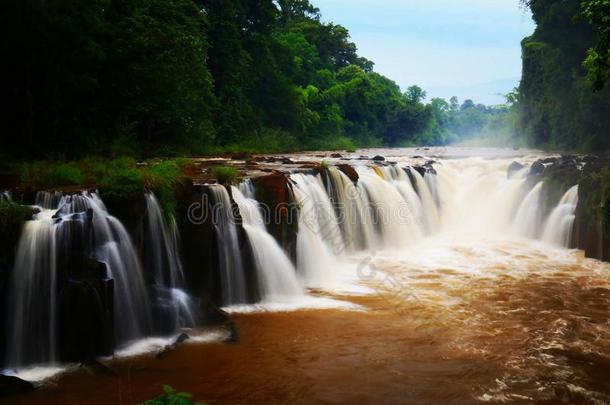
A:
167	77
564	102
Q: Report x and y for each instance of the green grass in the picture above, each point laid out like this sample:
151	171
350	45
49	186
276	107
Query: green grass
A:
119	178
224	174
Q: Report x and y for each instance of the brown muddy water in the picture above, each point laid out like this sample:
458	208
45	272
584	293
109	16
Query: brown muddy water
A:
466	302
530	328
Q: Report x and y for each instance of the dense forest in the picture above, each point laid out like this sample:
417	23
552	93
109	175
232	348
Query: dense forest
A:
563	100
167	77
184	77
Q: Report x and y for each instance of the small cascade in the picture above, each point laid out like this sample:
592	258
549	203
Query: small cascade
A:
428	202
162	259
351	208
319	237
558	227
529	217
276	274
48	200
394	218
232	277
32	302
113	246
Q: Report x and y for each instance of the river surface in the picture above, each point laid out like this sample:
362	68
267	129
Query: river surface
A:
473	313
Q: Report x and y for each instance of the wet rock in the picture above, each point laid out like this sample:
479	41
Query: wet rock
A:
183	337
363	157
86	321
417	157
11	385
274	193
336	155
513	168
240	156
349	171
536	169
233	333
99	368
379	158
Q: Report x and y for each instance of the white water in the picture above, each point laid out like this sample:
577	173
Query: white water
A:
276	274
469	211
32	315
558	227
318	231
115	248
163	259
231	268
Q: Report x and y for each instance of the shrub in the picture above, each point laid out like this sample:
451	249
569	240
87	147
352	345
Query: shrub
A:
170	396
224	174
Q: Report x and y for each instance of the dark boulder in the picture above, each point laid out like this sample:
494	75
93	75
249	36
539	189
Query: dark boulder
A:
11	385
536	169
336	155
379	158
86	321
513	168
349	171
274	193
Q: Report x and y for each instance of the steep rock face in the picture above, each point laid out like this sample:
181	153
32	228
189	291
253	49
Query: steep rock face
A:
200	245
592	225
274	192
591	231
199	257
349	171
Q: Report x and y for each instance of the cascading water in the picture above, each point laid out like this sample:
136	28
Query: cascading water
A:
32	302
62	225
232	277
529	218
390	206
351	205
395	219
319	237
162	258
558	227
113	246
276	274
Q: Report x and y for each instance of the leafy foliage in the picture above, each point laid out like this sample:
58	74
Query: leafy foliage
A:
172	397
224	174
182	77
597	13
557	107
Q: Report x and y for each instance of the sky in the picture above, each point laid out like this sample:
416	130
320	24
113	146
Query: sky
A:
464	48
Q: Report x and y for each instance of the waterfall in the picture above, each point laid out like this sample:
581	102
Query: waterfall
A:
428	202
394	218
32	315
476	197
529	219
112	246
276	274
232	277
558	227
319	237
351	207
162	259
